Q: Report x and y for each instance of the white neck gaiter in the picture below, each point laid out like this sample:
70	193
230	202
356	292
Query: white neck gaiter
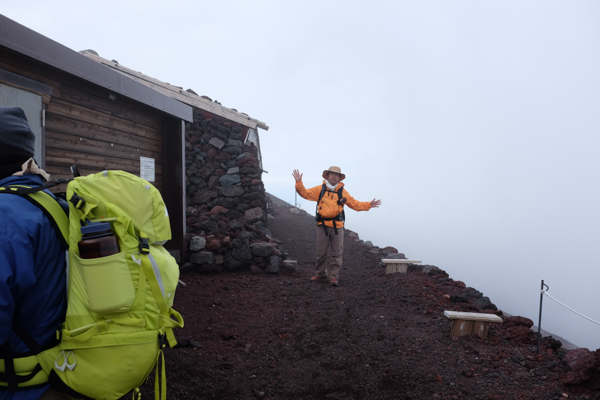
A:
330	186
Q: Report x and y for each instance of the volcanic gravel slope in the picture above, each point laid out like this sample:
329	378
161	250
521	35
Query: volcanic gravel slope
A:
252	335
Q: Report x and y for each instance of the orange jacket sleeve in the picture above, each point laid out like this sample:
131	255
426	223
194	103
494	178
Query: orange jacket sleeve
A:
355	204
311	194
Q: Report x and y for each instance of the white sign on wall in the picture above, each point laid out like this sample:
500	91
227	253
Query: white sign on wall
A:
147	168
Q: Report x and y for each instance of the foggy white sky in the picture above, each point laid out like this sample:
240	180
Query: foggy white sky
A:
475	122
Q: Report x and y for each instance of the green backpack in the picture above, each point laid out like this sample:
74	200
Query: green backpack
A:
119	307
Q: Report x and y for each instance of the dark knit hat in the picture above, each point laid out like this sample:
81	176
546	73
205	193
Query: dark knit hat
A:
15	131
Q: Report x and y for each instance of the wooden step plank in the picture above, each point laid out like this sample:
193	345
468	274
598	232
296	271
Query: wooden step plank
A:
399	261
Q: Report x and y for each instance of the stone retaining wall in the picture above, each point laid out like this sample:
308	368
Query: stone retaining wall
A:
226	204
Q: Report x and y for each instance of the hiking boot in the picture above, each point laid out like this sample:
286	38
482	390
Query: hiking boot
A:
333	282
317	278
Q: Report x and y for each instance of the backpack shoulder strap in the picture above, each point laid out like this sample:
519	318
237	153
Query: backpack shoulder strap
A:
24	371
55	213
49	206
323	189
339	192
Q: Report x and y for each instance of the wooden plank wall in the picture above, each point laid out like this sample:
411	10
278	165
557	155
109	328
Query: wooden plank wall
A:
85	127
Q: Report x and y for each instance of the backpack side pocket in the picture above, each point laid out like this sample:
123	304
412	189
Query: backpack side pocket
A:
107	282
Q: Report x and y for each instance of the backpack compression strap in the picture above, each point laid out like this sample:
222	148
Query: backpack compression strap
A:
166	323
155	281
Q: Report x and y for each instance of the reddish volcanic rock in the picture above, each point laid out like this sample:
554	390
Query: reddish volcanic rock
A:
518	321
390	249
582	363
247	162
255	270
212	152
216	210
518	334
212	244
222	157
517	329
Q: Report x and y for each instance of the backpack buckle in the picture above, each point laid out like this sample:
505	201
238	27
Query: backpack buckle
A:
59	332
77	201
162	341
144	246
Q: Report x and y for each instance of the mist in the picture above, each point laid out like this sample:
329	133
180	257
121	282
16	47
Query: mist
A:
476	123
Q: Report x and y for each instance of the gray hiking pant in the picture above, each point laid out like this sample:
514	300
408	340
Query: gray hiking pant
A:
335	243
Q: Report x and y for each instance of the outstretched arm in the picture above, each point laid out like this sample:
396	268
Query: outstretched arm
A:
375	203
309	194
360	205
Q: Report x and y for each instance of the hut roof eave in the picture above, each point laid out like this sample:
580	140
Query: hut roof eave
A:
25	41
179	94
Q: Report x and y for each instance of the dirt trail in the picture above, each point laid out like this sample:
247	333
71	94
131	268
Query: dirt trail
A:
376	336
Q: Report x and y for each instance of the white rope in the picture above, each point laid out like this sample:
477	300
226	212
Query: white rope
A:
569	308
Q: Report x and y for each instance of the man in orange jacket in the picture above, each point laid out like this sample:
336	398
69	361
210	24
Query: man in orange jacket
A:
331	197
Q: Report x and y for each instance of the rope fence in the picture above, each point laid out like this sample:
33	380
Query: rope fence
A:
545	291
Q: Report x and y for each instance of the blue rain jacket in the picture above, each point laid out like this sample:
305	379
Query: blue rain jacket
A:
32	274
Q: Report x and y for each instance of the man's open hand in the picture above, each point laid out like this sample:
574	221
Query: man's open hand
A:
297	175
375	203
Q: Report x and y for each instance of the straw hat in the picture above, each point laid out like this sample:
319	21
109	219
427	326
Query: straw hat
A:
336	170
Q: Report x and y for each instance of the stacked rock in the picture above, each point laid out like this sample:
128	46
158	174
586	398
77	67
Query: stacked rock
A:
226	204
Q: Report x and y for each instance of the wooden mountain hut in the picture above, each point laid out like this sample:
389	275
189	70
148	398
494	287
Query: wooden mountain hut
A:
88	115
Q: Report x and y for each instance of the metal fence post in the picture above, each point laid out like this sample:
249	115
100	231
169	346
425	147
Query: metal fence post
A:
540	319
